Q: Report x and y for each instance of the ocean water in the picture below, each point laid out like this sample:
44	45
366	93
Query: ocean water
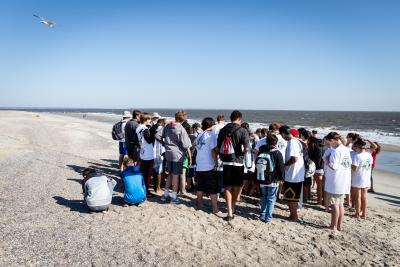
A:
383	127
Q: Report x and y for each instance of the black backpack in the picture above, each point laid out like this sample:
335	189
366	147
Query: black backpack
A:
117	133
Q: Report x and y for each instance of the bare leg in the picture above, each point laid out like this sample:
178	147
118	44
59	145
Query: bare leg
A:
228	198
175	183
364	202
353	197
183	182
235	194
293	211
199	201
214	203
357	199
335	213
240	191
159	182
347	200
306	193
320	189
340	219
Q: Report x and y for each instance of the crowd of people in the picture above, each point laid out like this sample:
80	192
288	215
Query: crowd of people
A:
228	160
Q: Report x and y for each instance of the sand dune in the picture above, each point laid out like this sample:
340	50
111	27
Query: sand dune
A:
44	221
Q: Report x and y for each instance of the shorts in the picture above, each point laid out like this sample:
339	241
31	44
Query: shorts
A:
319	172
122	149
335	199
233	175
207	182
248	176
307	181
292	191
175	168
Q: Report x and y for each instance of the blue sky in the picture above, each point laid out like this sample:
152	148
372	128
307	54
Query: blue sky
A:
307	55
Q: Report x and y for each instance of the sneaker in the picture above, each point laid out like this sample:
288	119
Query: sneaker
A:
175	201
164	198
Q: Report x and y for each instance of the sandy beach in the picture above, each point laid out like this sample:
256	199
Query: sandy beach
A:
44	221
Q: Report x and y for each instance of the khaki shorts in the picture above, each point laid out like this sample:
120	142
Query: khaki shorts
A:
335	199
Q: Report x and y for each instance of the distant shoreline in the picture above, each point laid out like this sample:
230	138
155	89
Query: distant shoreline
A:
189	109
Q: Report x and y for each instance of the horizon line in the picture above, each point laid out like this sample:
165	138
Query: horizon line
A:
224	109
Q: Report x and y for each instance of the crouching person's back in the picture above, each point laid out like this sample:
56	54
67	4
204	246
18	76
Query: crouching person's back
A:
134	187
97	189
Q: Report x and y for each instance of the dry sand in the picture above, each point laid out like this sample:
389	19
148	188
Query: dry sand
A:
44	221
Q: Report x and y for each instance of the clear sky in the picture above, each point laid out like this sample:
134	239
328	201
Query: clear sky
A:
307	55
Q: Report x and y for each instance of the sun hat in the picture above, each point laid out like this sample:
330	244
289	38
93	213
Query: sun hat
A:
126	115
156	115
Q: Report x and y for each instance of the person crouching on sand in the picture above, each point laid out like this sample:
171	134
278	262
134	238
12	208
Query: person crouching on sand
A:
134	186
97	190
338	179
360	178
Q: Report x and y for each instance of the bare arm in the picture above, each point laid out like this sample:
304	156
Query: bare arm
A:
372	145
214	155
291	161
189	156
353	168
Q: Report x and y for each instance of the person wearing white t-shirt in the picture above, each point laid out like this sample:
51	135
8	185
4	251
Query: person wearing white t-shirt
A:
294	170
360	177
206	164
146	140
338	179
219	125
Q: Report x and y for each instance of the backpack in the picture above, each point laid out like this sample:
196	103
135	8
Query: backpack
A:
265	167
309	165
117	133
227	150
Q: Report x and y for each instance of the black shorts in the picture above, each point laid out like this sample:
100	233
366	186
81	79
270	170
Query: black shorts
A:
292	191
233	175
307	181
207	182
175	168
249	176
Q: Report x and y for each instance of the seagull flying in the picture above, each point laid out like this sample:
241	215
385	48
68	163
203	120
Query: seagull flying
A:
46	22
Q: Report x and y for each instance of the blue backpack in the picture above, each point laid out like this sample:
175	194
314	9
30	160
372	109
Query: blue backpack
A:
135	190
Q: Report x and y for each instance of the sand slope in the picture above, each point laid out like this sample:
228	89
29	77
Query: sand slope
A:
44	222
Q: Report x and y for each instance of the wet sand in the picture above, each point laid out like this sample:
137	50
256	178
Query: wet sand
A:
44	221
